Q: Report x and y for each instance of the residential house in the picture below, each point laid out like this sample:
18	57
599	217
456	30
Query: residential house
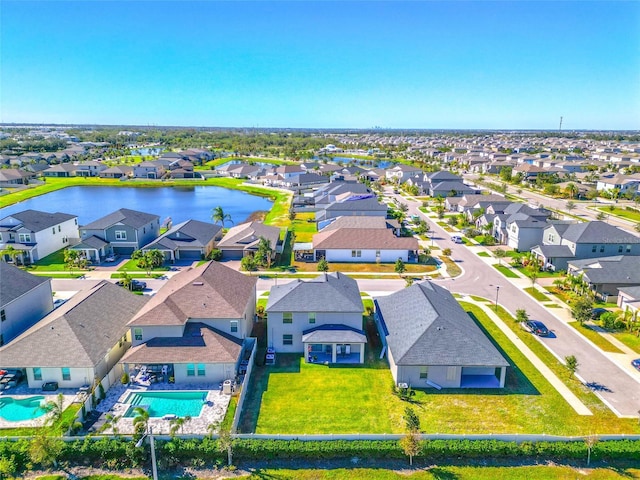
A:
77	342
432	342
401	173
150	170
520	226
366	241
24	299
621	183
605	275
118	171
14	176
349	204
320	318
90	169
629	299
61	170
124	231
242	240
192	240
37	234
197	325
562	243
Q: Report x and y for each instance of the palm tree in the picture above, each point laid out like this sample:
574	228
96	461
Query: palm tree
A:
111	421
54	410
264	251
218	215
12	253
140	420
178	424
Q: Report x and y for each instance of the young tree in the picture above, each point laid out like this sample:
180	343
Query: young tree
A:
45	450
218	215
590	441
500	254
521	315
571	362
225	443
111	422
71	258
571	205
323	265
178	423
400	267
264	252
411	445
411	419
582	308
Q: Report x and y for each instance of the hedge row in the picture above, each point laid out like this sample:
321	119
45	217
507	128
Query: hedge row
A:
119	453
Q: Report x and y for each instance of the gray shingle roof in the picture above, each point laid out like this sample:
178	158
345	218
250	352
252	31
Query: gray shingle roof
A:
619	269
37	221
247	235
559	251
15	282
192	233
132	218
77	334
364	205
427	326
598	232
329	292
333	333
90	242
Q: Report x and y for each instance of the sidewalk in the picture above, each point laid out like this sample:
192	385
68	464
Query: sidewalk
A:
559	385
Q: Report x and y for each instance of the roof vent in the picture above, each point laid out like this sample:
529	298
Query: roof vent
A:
198	284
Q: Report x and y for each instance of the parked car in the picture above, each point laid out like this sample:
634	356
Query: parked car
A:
636	363
110	259
136	285
596	313
58	302
537	328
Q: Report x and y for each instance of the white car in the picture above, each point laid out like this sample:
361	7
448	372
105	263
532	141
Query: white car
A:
110	259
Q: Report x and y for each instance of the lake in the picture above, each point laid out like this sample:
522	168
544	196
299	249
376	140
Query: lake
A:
179	203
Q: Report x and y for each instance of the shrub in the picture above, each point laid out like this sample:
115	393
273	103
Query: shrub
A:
124	379
215	255
609	320
248	264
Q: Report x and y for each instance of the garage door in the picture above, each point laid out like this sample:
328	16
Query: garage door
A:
232	255
194	254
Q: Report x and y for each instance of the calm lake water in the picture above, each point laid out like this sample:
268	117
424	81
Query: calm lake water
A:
179	203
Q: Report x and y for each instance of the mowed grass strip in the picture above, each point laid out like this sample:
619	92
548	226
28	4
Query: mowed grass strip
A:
316	398
541	297
556	472
506	271
596	338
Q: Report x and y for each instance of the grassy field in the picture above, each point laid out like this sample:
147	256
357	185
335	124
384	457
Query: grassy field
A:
483	254
633	215
296	397
132	266
629	339
595	337
304	226
541	297
50	263
365	267
505	271
453	269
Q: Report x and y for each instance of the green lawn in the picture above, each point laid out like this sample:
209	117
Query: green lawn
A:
483	254
628	338
50	263
596	338
633	215
434	472
296	397
132	266
541	297
541	274
506	271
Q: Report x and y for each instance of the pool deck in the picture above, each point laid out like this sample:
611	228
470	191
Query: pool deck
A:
113	403
213	411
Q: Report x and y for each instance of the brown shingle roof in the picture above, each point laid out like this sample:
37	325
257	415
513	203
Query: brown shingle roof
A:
199	343
363	238
208	291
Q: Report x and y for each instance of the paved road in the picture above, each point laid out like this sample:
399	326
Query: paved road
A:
617	387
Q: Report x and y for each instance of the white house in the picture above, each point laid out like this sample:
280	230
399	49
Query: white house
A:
38	234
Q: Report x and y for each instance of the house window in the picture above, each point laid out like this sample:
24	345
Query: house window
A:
121	235
3	315
75	220
201	371
551	237
53	230
144	229
601	248
234	326
312	317
628	248
37	373
137	334
377	253
191	370
287	317
287	339
66	373
619	248
356	253
1	339
59	228
24	237
594	248
0	237
424	372
451	373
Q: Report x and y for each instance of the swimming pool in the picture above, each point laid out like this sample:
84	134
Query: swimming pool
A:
20	409
161	403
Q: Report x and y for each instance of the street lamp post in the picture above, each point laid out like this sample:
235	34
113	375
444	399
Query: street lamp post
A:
139	443
497	292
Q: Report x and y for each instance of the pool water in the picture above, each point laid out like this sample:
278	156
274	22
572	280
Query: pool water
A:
162	403
20	409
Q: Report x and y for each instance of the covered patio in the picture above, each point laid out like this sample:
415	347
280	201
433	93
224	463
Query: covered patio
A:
93	248
334	344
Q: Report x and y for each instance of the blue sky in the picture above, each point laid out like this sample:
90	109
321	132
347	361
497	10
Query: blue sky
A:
327	64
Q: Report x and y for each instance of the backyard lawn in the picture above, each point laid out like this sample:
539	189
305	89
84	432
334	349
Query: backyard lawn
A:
51	263
295	397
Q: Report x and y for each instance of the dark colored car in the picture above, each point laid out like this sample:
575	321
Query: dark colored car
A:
537	328
136	285
636	363
597	312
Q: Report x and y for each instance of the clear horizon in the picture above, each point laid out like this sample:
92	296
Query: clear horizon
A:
455	65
